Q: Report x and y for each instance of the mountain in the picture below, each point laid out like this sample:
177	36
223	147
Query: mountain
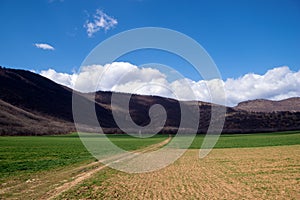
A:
16	121
28	96
34	105
262	105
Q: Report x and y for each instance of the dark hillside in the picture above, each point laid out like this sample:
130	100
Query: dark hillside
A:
34	105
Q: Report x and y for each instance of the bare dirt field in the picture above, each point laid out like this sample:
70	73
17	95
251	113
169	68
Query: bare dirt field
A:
237	173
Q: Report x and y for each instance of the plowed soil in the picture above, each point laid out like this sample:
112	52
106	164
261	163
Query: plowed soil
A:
243	173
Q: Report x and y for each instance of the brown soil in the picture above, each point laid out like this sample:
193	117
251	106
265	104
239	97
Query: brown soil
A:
245	173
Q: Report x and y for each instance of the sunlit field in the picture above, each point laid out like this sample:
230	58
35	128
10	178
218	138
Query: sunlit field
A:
241	166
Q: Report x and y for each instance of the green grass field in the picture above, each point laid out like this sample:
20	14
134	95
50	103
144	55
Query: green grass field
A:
28	154
252	140
37	153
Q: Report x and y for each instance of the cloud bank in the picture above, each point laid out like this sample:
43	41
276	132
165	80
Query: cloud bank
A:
100	21
44	46
277	83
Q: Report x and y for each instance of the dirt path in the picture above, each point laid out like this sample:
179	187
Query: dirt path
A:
95	167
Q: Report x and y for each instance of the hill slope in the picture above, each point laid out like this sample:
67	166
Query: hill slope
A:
31	104
16	121
263	105
26	92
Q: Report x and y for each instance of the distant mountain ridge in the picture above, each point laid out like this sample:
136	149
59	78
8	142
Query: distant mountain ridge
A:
34	105
263	105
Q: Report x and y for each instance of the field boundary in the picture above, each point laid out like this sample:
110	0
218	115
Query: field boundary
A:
97	166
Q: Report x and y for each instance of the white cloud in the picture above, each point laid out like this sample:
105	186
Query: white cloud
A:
100	21
60	78
44	46
278	83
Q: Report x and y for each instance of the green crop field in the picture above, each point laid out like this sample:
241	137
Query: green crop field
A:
27	154
35	153
252	140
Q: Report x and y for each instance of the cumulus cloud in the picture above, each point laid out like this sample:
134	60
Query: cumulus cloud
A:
100	21
118	76
44	46
60	78
275	84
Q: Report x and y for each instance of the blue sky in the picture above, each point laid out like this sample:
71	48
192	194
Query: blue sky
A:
241	36
254	43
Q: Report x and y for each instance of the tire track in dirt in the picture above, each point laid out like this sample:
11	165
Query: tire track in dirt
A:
98	167
37	180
